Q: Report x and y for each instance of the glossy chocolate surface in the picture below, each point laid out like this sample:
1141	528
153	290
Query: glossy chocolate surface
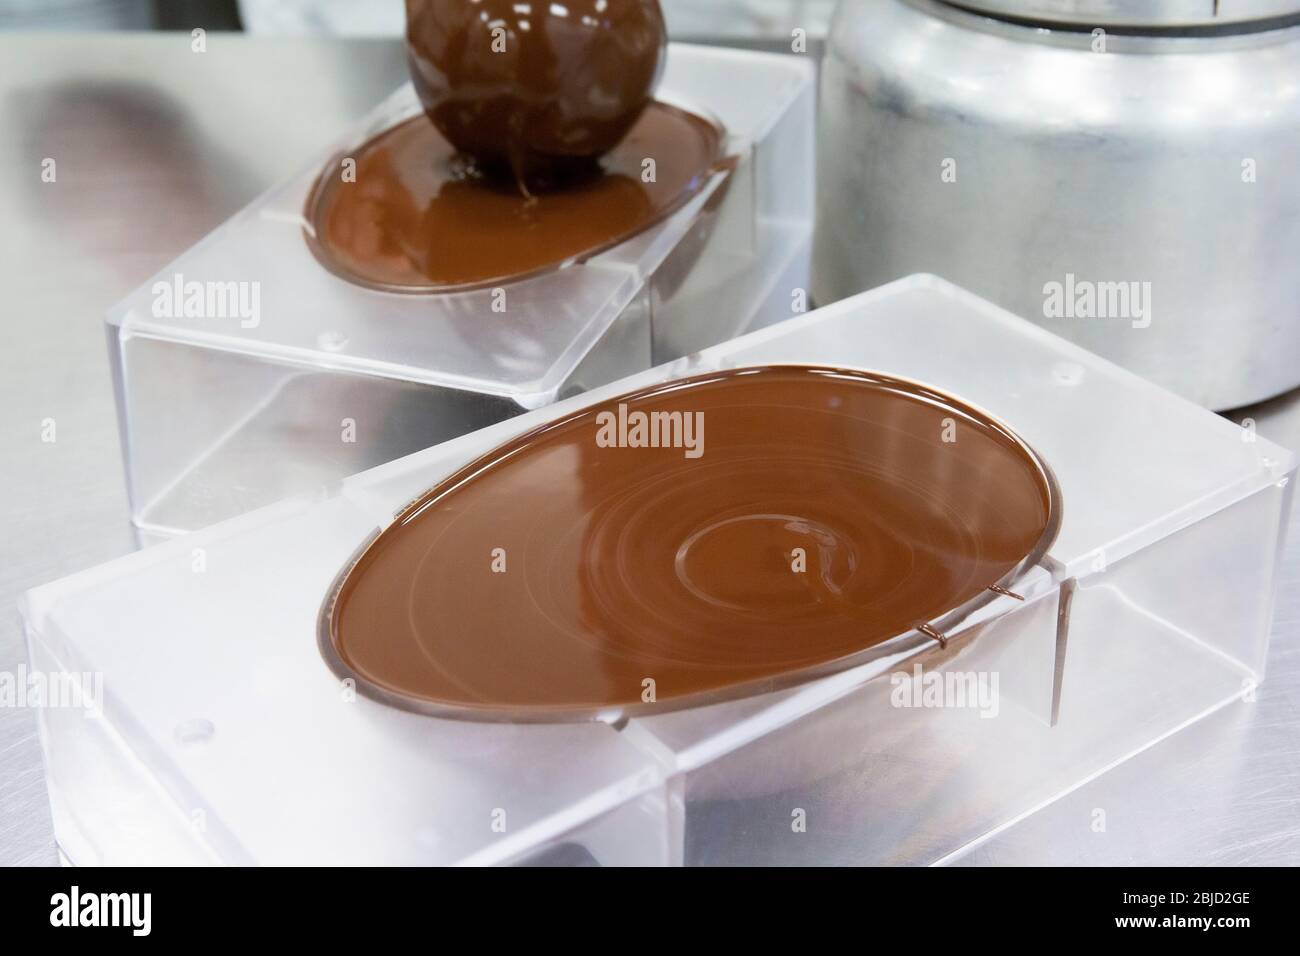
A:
525	86
416	218
790	518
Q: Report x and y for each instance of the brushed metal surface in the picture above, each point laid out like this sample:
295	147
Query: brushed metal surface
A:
155	146
1008	159
1163	13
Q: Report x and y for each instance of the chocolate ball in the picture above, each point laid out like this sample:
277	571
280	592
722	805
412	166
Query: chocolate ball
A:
531	86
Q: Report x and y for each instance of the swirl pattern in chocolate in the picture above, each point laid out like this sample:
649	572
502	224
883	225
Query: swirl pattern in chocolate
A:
789	518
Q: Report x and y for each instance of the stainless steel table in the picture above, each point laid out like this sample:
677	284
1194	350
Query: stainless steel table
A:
154	145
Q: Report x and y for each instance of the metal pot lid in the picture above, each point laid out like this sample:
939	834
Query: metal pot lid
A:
1164	14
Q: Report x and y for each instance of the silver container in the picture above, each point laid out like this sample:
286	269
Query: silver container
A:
1134	187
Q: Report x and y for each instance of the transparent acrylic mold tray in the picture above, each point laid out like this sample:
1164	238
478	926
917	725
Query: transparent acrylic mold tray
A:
225	412
223	736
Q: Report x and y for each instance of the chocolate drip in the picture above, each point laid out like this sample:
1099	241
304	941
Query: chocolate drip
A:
419	217
531	87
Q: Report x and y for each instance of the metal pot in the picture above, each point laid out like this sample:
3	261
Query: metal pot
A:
1126	173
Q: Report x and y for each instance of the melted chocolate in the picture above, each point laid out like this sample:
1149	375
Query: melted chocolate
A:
814	513
418	219
525	86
